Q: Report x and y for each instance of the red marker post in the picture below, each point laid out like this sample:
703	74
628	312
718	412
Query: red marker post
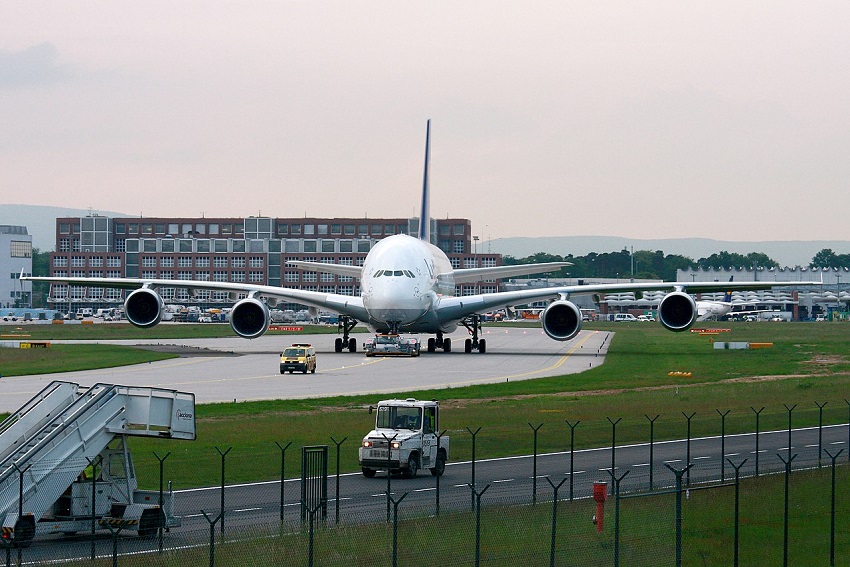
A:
600	493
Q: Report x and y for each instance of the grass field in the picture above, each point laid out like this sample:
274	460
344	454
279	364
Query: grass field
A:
808	364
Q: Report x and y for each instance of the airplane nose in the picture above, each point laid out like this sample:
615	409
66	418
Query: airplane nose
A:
395	305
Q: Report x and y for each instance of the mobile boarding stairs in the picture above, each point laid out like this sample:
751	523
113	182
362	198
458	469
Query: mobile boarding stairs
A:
64	463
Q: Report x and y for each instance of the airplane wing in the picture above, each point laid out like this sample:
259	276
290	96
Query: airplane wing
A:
342	304
456	307
496	272
338	269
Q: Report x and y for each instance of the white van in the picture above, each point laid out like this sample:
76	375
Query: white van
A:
624	317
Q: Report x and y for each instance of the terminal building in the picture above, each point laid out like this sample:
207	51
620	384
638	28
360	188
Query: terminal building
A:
242	250
15	257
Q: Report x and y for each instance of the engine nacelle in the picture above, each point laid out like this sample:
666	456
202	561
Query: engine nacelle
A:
250	318
677	311
561	320
144	308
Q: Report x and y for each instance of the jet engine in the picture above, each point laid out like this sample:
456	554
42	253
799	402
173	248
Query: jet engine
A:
561	320
250	318
144	307
677	311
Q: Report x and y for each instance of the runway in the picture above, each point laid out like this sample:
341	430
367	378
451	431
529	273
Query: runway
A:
232	368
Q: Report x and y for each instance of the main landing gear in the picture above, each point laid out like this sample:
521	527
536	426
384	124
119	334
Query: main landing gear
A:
473	325
344	326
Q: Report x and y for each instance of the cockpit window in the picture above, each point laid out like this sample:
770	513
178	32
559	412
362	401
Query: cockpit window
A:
406	273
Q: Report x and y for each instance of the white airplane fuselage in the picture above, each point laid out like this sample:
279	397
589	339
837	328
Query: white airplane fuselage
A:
402	281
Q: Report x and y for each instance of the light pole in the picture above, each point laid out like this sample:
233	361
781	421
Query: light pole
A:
475	245
838	291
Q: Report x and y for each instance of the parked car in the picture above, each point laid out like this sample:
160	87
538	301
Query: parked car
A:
627	317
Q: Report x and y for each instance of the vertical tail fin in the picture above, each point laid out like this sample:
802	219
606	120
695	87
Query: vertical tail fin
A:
425	214
728	297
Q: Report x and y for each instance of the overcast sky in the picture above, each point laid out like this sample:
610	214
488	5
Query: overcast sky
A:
726	120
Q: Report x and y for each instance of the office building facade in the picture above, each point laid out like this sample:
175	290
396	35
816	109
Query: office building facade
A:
239	250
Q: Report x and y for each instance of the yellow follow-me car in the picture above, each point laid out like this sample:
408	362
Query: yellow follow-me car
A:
299	356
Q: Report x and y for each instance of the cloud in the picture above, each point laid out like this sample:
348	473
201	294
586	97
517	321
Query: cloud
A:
33	66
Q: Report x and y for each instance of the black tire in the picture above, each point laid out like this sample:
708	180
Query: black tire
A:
447	345
313	371
412	466
432	344
338	344
368	473
467	346
482	346
352	345
439	465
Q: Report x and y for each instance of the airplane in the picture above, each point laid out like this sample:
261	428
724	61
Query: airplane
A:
713	310
407	286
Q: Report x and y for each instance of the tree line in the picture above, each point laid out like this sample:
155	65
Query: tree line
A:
646	264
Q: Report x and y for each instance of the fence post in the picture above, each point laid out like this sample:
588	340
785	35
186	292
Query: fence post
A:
572	427
555	488
737	501
785	519
161	482
212	534
846	401
790	409
93	463
389	441
223	455
534	466
282	473
820	430
832	511
338	444
616	482
613	443
758	413
439	474
679	473
651	445
395	528
688	445
722	443
477	496
472	483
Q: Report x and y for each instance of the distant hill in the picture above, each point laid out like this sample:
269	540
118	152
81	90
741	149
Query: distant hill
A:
41	221
786	253
41	224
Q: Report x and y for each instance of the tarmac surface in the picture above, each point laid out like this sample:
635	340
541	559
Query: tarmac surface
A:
235	369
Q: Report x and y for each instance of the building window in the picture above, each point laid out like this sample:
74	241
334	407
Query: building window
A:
349	230
166	262
184	262
21	249
202	262
220	276
255	262
220	261
255	276
65	228
60	261
65	245
237	276
149	262
237	262
459	246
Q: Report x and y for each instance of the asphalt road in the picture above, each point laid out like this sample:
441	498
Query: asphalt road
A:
232	368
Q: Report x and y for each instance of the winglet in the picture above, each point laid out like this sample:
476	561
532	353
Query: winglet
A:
425	214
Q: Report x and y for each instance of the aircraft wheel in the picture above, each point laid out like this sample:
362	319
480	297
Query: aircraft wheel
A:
482	346
338	344
352	345
432	344
447	345
467	346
